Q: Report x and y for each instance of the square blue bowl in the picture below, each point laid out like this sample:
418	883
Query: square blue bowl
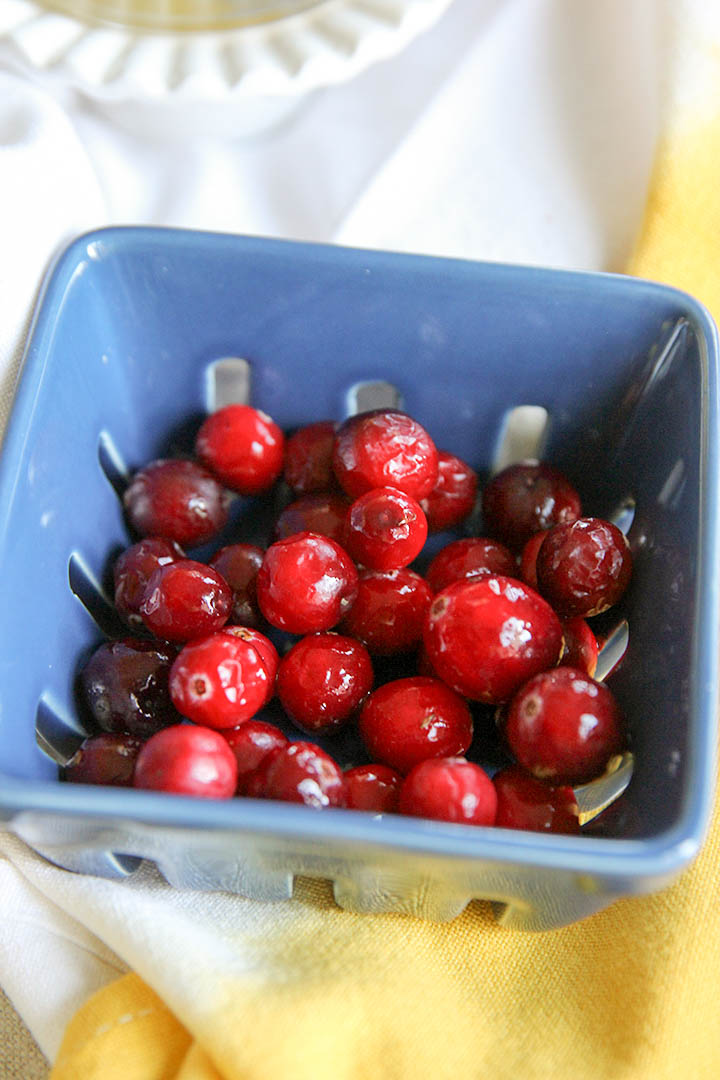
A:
121	358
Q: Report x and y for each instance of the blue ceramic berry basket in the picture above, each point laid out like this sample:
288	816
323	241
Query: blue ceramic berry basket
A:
121	365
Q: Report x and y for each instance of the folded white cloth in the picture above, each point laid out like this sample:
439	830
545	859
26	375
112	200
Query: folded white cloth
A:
513	130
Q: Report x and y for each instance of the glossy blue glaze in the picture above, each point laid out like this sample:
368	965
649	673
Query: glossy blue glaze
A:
128	323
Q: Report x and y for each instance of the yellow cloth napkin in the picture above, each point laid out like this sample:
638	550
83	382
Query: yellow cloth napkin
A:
632	993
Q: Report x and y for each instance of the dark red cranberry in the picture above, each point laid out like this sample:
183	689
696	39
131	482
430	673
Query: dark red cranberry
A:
381	448
187	760
251	742
125	683
107	758
133	569
301	772
467	558
408	720
243	447
584	567
526	498
563	727
185	600
449	789
322	513
580	646
372	787
238	565
254	783
486	636
528	559
306	583
385	529
527	803
389	611
322	681
177	500
220	680
453	496
308	458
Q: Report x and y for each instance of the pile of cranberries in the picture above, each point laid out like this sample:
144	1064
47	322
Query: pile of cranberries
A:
332	623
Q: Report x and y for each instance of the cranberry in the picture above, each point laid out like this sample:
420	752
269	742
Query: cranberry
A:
385	447
389	611
308	458
322	513
564	727
107	758
580	646
238	565
372	787
265	648
322	681
243	447
178	500
132	570
449	789
453	496
254	783
584	567
187	760
466	558
528	559
220	680
251	743
526	498
408	720
302	772
306	583
385	529
485	636
184	600
527	803
125	683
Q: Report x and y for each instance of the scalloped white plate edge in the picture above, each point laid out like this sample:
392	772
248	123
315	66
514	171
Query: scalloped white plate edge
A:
290	56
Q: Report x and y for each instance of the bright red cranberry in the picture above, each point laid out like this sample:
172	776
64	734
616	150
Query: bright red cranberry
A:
485	636
385	529
453	496
467	558
184	600
187	760
107	758
323	513
301	772
563	727
449	789
528	559
251	742
389	611
408	720
265	648
584	567
580	646
132	570
527	803
526	498
177	500
372	787
306	583
243	447
322	681
220	680
308	458
238	565
385	448
125	683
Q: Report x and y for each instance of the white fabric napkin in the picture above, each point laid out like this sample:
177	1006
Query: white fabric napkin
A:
513	130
